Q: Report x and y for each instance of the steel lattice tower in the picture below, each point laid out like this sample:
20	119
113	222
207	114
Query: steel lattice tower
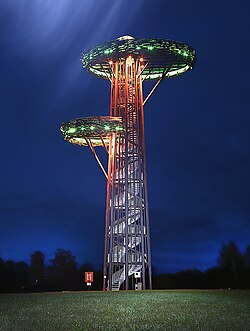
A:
126	62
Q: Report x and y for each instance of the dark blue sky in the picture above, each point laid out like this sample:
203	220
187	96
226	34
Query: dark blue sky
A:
52	194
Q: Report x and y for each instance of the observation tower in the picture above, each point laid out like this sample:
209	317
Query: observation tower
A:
126	62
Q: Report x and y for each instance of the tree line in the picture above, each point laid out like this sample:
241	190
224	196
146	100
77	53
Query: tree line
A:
64	274
232	272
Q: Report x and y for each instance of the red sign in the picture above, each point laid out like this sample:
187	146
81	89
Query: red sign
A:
89	277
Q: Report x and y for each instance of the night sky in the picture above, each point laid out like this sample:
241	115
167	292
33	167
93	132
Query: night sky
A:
52	193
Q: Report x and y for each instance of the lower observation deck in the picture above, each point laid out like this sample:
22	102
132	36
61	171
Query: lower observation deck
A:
95	130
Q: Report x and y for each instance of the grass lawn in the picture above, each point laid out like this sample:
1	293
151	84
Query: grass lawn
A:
134	310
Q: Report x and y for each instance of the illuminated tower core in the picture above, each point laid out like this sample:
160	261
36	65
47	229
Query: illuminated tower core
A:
126	62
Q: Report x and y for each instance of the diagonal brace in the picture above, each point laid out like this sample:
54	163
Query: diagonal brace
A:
96	156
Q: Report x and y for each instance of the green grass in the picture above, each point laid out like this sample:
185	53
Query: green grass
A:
141	310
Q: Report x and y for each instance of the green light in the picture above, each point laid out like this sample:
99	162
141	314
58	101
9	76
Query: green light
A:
92	127
108	51
150	48
106	127
82	128
118	128
181	52
138	48
72	130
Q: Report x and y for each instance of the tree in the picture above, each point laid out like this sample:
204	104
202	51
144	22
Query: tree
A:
2	283
63	273
37	268
230	256
246	257
231	259
15	277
